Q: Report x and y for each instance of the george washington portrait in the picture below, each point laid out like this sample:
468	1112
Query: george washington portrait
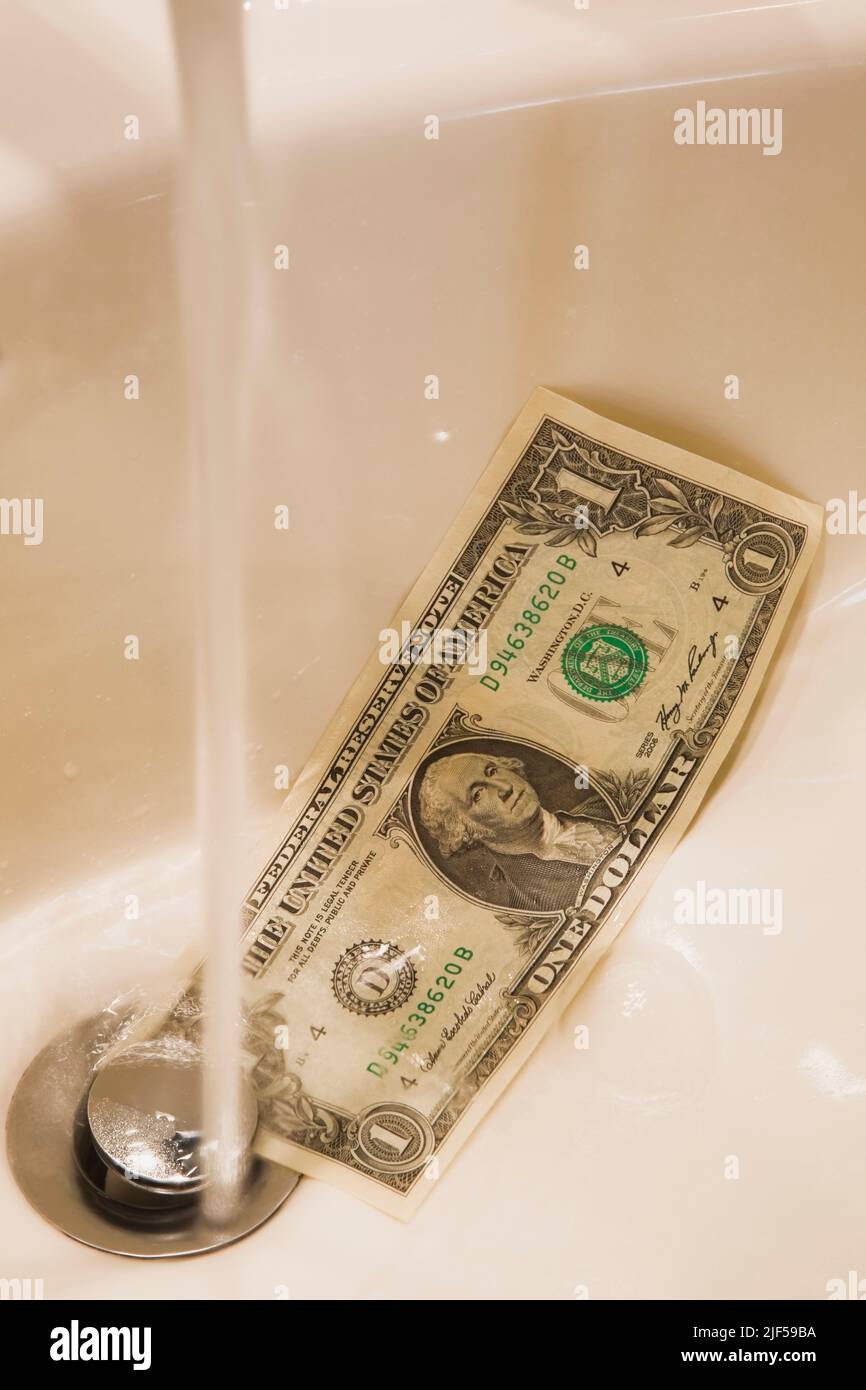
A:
506	824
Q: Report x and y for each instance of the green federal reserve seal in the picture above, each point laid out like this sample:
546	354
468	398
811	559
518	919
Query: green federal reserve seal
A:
604	662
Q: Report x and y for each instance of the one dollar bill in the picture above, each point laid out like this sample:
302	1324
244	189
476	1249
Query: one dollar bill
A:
501	786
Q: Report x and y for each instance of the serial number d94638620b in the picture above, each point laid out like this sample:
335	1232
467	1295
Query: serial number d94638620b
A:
422	1011
525	628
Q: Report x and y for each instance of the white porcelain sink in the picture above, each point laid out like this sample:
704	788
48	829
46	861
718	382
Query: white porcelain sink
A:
607	1170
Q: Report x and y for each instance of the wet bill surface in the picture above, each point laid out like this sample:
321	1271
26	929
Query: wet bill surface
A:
466	836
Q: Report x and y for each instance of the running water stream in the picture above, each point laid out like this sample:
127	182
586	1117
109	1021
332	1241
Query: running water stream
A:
214	284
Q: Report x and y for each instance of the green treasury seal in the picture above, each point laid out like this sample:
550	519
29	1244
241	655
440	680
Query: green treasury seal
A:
604	662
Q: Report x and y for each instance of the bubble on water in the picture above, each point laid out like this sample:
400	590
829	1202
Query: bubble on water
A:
70	771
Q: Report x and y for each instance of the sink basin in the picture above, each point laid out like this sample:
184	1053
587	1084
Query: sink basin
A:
708	1141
